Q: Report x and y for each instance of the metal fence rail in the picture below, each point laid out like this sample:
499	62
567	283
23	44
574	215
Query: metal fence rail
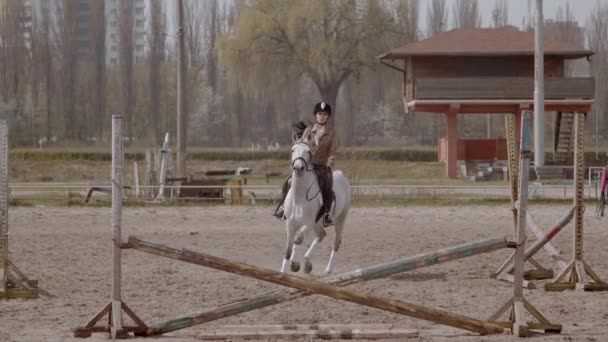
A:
271	193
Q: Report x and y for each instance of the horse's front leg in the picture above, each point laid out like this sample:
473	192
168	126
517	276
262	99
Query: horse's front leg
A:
320	235
337	242
297	246
291	229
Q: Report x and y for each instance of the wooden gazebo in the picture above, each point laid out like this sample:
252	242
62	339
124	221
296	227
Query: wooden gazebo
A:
488	71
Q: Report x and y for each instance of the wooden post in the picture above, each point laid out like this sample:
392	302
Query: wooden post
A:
136	177
348	278
117	330
513	157
317	287
3	208
13	283
163	168
520	327
577	270
452	141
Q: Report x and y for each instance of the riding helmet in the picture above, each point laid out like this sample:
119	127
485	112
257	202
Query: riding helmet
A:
322	107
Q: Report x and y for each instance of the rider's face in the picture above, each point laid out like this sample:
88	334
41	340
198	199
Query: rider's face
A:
322	117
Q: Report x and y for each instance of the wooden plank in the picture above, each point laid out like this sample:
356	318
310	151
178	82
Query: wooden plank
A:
317	287
313	333
363	274
520	326
19	293
501	88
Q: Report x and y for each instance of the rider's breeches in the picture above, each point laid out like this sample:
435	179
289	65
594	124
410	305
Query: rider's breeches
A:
325	178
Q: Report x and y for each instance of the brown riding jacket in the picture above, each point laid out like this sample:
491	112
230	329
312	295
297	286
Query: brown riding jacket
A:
322	138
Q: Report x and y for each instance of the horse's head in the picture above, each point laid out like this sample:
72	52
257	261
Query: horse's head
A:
301	157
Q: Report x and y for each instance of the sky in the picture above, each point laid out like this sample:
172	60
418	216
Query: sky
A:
518	9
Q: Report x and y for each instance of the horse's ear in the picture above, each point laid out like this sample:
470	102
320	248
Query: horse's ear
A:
294	137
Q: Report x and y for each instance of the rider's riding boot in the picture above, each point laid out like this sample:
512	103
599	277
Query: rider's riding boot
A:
328	220
279	212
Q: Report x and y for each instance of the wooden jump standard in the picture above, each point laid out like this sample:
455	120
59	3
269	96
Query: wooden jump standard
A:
348	278
116	306
317	287
13	283
518	305
574	276
577	269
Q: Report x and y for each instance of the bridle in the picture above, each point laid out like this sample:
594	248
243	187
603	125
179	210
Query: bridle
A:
306	162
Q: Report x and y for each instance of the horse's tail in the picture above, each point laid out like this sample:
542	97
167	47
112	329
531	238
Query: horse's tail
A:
299	128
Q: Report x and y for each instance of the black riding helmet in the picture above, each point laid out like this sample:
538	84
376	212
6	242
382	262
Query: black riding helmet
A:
322	107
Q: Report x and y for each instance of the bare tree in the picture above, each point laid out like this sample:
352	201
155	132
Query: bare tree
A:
407	20
437	17
65	40
466	14
566	27
500	14
43	62
13	40
97	34
126	53
597	38
157	52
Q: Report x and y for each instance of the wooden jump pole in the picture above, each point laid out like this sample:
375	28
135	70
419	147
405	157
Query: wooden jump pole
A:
542	241
542	237
518	305
116	305
577	270
352	277
317	287
322	331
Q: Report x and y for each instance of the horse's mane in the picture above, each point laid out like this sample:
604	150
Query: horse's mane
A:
299	127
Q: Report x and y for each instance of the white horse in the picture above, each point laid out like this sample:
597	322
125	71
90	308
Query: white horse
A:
303	202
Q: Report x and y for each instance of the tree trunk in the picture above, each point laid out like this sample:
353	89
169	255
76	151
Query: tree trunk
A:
329	94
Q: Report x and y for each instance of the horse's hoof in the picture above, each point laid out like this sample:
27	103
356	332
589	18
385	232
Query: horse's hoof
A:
295	266
307	266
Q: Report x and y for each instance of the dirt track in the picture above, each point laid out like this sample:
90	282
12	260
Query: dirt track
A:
68	251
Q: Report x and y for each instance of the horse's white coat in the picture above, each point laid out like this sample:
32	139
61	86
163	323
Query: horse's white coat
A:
303	202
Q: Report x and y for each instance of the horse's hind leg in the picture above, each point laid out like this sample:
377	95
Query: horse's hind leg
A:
320	232
288	246
337	242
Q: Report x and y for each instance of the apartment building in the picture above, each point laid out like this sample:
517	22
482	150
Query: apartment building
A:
140	12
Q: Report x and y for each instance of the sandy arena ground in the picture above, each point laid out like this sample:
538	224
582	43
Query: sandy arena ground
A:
68	251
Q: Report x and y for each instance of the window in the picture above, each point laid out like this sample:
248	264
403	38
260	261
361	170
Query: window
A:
139	23
139	48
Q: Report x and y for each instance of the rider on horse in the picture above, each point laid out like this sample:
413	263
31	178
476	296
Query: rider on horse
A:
322	139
